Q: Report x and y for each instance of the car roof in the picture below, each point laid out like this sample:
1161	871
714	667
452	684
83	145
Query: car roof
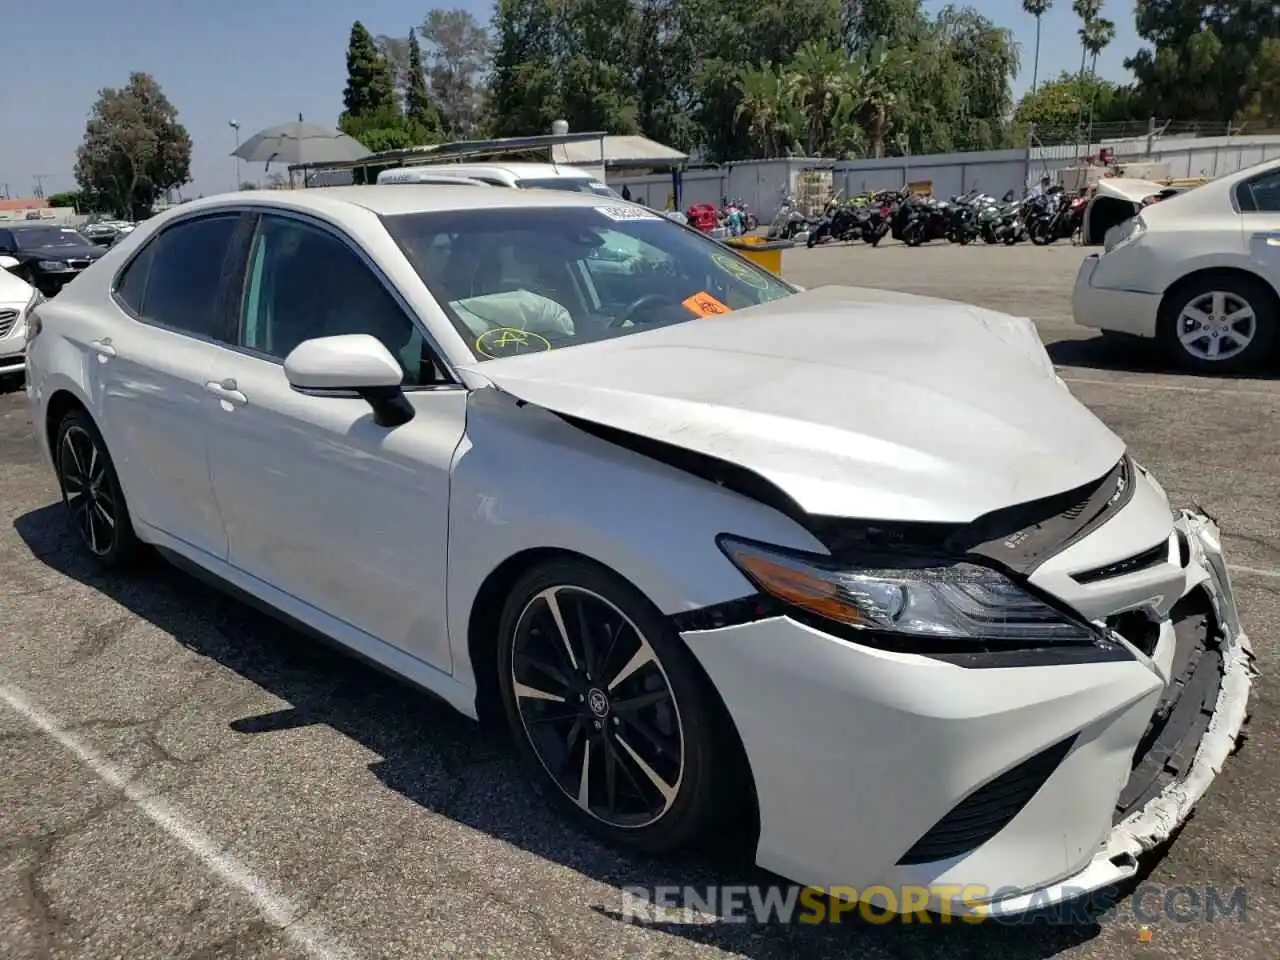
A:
392	199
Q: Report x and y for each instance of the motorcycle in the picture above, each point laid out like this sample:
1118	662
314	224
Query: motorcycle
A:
838	221
962	218
788	221
1051	216
921	219
879	216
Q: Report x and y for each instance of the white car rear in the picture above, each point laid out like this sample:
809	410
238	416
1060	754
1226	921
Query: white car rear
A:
1199	272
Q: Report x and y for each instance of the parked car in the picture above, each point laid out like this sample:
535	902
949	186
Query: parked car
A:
706	541
17	297
49	257
1199	272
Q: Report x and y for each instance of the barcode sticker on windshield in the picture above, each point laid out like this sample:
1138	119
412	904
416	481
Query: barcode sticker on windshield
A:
628	213
703	304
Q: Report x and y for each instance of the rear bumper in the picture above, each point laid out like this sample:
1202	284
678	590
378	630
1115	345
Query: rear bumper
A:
867	764
1125	311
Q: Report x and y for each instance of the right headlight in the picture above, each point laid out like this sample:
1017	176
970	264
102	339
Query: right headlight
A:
919	598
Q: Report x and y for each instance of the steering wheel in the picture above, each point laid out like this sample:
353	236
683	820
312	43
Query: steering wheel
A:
640	301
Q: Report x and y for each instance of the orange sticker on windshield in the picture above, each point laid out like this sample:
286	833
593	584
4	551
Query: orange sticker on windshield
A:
703	304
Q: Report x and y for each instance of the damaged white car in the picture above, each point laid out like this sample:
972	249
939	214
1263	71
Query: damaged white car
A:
854	569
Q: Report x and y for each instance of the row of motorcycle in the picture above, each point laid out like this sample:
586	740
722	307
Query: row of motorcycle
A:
1042	217
731	219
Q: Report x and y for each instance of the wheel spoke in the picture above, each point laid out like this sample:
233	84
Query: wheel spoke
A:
1244	313
70	444
610	776
525	692
584	630
570	741
1189	337
656	739
1219	303
553	604
666	790
643	655
640	702
1215	346
546	669
584	780
93	463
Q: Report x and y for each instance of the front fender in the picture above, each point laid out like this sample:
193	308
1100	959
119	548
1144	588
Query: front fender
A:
526	479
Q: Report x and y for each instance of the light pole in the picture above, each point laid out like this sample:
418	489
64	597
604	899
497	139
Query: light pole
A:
235	125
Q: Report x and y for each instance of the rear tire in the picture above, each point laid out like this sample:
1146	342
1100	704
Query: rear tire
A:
1196	315
96	508
570	635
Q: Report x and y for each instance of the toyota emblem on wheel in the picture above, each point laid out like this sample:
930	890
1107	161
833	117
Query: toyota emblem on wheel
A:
598	702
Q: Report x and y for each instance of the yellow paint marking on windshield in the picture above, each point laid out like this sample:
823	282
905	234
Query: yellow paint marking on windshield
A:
703	304
510	341
740	271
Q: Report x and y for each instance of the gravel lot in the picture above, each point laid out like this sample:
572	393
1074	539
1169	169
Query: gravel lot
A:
182	777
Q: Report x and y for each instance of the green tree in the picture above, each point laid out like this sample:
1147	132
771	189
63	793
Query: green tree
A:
458	50
68	198
766	104
370	85
1209	61
664	95
524	95
1037	9
134	148
420	113
1055	105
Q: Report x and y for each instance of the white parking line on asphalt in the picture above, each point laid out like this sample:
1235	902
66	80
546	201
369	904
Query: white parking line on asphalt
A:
1255	571
1173	387
278	910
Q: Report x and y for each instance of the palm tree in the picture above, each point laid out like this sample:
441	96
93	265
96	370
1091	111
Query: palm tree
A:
1095	35
819	75
767	105
1037	9
1087	11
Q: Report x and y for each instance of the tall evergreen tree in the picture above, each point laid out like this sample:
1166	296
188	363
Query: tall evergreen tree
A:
370	84
420	112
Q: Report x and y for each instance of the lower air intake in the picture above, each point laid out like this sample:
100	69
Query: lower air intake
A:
988	810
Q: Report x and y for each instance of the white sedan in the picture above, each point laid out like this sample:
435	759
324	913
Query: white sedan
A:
852	568
17	297
1200	272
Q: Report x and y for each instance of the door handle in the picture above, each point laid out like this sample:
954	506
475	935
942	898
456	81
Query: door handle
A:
227	390
103	347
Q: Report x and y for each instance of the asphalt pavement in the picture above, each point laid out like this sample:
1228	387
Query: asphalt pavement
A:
182	777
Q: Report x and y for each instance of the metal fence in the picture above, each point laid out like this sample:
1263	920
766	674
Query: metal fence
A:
762	184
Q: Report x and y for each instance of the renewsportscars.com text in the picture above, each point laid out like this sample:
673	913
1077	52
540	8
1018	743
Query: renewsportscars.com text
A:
1146	904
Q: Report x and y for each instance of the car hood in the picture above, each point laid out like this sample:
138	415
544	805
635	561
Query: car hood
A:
14	290
855	403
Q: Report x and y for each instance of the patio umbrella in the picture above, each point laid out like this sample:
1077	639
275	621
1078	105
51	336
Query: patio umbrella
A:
299	142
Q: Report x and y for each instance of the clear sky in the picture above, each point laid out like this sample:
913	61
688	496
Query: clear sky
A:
263	63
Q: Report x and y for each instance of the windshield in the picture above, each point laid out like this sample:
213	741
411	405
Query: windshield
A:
570	184
33	238
519	281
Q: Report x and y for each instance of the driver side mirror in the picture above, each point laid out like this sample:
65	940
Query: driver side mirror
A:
351	363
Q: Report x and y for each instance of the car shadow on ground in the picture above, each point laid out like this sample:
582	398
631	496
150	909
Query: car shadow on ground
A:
1138	355
446	763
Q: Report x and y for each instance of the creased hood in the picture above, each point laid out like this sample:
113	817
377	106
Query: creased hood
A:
855	405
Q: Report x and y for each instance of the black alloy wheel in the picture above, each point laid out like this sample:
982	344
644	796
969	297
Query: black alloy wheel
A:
610	711
91	492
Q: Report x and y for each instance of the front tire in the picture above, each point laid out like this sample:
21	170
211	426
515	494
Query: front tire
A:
611	713
91	492
1223	324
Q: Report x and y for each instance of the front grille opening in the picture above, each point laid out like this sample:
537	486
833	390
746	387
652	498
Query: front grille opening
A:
7	319
1139	561
1138	628
1168	747
988	810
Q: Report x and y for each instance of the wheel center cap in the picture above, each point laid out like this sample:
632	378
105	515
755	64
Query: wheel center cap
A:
598	702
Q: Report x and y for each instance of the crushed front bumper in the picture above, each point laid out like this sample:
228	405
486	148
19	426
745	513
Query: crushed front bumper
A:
1155	822
860	754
